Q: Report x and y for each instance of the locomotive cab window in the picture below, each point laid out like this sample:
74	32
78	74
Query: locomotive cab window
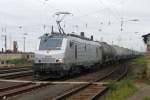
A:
51	44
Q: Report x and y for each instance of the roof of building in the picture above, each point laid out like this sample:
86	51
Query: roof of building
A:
145	37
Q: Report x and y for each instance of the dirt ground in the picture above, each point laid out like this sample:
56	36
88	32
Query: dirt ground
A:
143	91
138	75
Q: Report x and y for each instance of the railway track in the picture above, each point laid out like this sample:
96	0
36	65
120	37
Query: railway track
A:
12	73
16	74
91	87
18	89
92	91
21	88
3	71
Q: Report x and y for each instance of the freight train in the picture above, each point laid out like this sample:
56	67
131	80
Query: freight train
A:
64	54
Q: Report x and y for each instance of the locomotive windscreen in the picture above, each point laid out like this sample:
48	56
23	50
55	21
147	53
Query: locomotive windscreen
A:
50	44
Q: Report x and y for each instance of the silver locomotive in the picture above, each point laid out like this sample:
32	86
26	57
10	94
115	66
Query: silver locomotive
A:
60	55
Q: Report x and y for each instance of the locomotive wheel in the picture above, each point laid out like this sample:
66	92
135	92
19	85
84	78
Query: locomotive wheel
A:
62	74
36	75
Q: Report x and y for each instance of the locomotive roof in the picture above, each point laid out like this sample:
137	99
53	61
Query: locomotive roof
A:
65	35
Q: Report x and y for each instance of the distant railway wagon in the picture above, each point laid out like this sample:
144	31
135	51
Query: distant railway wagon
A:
108	52
64	54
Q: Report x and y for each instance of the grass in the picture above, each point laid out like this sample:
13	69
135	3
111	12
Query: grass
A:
140	61
126	88
138	68
121	90
18	61
146	98
143	62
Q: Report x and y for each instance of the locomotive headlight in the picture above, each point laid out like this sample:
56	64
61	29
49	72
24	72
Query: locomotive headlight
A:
59	60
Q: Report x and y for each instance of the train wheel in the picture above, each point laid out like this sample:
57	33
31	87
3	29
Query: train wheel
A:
76	70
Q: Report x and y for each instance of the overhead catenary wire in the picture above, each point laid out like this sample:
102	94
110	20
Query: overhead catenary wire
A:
54	9
80	17
110	10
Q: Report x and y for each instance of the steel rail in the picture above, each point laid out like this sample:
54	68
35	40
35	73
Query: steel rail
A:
2	71
19	89
16	74
67	94
101	93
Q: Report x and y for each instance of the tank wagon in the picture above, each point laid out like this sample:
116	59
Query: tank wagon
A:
64	54
108	52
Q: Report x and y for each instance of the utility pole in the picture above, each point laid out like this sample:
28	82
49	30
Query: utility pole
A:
121	25
24	38
44	28
5	38
52	30
5	42
123	21
24	42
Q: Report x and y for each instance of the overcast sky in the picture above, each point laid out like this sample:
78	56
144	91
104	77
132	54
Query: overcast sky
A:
101	18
